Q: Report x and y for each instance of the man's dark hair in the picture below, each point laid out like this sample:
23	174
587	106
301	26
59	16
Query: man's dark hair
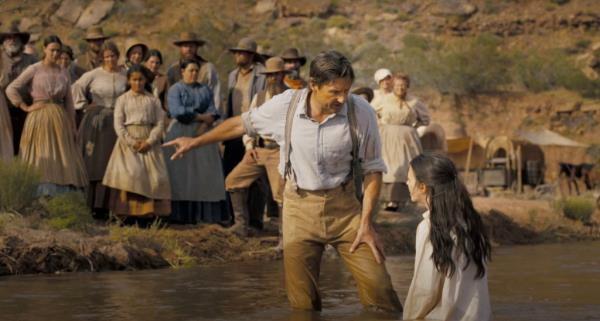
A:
329	66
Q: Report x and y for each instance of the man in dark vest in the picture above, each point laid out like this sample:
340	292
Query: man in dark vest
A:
293	61
92	57
262	154
243	83
13	62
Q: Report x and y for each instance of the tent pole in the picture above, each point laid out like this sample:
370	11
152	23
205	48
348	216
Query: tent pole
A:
519	171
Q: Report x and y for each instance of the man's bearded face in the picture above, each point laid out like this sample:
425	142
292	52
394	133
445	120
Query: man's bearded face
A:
12	45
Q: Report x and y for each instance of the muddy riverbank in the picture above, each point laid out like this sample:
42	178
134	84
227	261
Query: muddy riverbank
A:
29	247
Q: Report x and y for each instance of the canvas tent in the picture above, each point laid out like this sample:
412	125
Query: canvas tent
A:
555	149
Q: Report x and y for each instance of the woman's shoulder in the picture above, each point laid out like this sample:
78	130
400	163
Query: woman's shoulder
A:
425	222
33	67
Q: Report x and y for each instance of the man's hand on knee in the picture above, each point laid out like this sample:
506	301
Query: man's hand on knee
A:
367	234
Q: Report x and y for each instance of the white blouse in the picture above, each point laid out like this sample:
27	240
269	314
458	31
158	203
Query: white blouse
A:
435	296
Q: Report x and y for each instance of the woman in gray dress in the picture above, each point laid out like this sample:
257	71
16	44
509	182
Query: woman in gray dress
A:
197	181
96	93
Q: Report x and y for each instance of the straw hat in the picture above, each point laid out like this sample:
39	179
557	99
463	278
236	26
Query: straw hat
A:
132	42
293	54
95	33
188	37
274	65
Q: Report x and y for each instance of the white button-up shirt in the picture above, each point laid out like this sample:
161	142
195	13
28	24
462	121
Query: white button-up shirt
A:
320	152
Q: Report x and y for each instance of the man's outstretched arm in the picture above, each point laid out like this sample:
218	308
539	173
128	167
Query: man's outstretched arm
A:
229	129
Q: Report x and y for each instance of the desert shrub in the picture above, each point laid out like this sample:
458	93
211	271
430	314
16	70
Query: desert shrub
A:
577	208
541	71
18	185
68	211
461	67
338	21
176	253
583	44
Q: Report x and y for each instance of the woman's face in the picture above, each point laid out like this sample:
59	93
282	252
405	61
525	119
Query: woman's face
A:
386	84
52	52
190	74
417	189
110	59
64	60
136	54
153	63
137	81
400	87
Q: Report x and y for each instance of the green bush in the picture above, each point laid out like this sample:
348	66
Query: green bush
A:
541	71
583	44
461	67
338	21
68	211
578	208
18	185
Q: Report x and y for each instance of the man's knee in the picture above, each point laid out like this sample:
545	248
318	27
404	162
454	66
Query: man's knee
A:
233	182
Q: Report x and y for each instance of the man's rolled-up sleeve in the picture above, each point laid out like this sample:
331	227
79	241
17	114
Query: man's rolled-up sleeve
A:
370	141
268	121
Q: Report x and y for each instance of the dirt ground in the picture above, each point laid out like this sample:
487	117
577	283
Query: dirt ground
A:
26	250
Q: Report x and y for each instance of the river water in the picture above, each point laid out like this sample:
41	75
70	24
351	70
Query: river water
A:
528	283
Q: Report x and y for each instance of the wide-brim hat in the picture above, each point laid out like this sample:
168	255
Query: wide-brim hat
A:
189	37
13	30
95	33
293	54
135	42
246	44
274	65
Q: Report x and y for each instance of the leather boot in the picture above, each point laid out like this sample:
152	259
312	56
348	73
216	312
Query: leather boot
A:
279	247
239	203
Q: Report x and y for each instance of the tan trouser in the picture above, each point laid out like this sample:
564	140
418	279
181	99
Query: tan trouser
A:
310	221
244	174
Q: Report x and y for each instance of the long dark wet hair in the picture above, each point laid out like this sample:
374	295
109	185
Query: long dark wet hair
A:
451	213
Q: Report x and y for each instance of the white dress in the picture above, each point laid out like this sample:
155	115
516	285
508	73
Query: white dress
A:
435	296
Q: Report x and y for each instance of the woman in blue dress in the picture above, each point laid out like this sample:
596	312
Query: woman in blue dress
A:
197	181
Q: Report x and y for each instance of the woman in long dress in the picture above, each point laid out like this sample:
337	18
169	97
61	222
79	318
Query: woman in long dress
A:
48	139
6	138
197	182
136	172
452	247
96	92
400	142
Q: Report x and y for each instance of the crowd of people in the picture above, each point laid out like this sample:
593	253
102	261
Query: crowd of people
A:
91	124
105	145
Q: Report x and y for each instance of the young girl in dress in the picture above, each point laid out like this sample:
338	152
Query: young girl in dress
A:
137	169
452	247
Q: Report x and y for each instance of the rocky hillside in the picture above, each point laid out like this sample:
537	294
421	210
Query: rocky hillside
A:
523	60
